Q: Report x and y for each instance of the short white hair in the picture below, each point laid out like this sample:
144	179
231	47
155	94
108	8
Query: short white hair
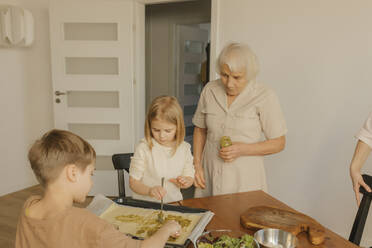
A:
237	57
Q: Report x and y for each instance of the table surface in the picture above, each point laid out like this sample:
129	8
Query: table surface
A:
228	208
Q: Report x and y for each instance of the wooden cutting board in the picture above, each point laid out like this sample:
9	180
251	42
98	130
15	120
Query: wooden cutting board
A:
269	217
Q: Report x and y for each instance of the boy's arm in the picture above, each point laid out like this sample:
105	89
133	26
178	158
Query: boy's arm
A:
159	239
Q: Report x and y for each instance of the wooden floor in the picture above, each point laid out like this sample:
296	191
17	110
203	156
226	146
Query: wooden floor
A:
10	208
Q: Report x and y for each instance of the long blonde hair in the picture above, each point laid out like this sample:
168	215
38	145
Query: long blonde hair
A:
168	109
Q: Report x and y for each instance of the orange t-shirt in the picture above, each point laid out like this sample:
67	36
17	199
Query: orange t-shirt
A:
74	227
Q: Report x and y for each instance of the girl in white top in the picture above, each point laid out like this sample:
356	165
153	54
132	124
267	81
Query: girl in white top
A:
162	153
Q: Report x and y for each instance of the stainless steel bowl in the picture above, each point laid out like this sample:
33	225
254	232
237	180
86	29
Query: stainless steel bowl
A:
275	238
218	233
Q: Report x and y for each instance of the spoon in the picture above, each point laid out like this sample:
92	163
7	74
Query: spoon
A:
161	215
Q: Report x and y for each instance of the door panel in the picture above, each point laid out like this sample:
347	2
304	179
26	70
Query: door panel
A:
92	57
191	43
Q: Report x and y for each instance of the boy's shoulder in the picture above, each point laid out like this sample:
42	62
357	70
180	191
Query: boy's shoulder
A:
85	216
74	217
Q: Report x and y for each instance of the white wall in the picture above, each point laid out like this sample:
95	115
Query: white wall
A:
317	56
25	100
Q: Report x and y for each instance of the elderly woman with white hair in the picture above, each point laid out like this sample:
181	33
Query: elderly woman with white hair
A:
236	106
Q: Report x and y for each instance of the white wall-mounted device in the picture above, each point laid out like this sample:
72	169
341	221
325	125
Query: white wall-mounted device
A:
16	26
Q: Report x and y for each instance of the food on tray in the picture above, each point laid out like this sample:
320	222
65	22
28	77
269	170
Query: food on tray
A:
225	241
150	225
143	223
225	141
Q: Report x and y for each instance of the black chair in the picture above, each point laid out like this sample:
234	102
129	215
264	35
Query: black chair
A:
121	162
361	217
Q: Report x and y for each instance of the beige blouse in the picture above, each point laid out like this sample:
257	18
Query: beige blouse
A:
365	133
149	166
254	111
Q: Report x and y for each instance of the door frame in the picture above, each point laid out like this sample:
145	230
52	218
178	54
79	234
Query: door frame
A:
140	51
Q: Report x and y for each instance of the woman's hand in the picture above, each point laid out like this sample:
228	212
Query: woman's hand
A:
358	181
361	153
182	182
199	180
157	192
230	153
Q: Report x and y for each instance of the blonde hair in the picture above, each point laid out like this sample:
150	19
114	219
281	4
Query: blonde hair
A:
238	56
168	109
56	149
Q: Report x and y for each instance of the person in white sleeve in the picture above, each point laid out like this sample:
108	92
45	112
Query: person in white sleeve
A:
362	151
162	153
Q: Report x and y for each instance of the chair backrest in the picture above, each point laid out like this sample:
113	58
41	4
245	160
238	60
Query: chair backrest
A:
361	217
121	162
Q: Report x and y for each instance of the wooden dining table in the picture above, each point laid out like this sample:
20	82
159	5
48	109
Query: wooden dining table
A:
228	208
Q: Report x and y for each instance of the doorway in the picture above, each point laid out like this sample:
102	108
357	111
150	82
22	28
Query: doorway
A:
177	38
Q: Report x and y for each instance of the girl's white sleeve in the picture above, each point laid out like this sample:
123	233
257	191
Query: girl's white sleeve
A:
188	169
138	162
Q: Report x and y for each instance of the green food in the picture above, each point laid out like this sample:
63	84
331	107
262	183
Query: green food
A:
225	241
225	141
205	245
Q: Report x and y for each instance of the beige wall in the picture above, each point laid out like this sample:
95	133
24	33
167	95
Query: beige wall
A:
25	100
317	56
160	25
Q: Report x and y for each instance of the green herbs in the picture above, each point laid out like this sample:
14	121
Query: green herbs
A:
225	241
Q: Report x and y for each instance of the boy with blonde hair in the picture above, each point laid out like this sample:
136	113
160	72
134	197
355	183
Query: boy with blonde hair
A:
63	163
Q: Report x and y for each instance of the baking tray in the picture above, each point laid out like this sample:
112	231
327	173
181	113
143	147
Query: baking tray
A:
129	201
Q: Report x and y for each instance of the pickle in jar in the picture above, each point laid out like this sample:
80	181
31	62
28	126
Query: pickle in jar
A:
225	141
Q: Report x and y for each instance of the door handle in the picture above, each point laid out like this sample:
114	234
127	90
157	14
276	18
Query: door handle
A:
59	93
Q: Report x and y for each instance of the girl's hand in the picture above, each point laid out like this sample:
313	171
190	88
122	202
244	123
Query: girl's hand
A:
199	181
230	153
358	181
173	228
182	182
157	192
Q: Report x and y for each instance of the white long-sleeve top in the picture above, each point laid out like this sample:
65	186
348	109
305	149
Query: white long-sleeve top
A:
149	166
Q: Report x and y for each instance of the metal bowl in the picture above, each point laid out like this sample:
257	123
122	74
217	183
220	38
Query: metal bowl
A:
275	238
214	234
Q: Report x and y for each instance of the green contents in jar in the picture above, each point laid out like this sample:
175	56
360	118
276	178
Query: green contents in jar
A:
225	141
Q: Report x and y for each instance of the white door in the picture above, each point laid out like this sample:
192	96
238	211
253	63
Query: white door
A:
92	73
191	44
